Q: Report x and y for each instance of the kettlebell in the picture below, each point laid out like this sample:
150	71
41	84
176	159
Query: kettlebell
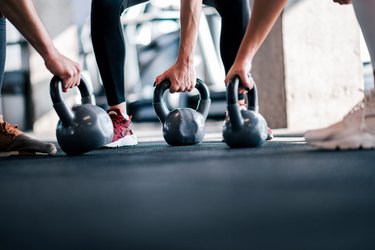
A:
83	128
182	126
243	128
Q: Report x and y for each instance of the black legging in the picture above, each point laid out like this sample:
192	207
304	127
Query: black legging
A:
2	52
109	46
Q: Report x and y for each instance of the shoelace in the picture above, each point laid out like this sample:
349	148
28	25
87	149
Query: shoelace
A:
361	106
119	120
10	128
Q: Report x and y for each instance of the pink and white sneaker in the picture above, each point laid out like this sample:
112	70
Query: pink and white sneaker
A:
122	130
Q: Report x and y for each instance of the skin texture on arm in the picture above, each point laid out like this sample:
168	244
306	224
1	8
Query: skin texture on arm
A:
343	1
182	74
263	17
23	16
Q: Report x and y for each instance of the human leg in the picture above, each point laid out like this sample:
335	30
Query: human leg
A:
357	129
109	48
12	140
235	16
365	11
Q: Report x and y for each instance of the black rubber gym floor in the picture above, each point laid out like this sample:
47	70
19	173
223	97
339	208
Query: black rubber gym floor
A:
284	195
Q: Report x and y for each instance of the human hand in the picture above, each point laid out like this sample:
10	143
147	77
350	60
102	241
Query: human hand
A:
242	70
66	69
343	1
181	76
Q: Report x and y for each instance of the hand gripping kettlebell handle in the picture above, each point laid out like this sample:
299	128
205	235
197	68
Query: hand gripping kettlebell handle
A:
161	108
232	94
65	114
234	110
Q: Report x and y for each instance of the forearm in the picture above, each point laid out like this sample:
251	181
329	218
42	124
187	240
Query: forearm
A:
263	17
190	18
23	16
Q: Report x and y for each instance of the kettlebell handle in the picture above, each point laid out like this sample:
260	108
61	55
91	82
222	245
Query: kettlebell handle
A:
204	101
233	107
56	91
252	95
162	110
65	114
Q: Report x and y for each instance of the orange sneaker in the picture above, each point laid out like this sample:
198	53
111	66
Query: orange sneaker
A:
14	142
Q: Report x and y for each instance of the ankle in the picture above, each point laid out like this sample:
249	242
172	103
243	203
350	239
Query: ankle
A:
1	119
121	107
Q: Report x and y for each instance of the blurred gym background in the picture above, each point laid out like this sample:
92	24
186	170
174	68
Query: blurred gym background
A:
312	69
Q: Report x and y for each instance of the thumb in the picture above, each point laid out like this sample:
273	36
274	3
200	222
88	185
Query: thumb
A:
160	78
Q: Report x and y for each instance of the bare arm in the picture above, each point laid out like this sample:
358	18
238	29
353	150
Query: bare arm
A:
182	73
23	15
343	1
263	17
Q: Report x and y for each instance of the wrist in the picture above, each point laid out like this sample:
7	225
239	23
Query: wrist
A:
185	60
244	59
49	53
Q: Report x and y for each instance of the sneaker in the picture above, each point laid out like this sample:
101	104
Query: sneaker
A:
122	130
355	131
270	134
14	142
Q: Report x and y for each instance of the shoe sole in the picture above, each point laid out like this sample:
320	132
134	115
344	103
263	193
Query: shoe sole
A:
22	153
354	142
126	141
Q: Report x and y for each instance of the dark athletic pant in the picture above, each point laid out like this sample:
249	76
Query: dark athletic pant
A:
2	52
109	46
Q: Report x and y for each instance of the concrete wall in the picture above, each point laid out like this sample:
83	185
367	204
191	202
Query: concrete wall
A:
269	75
309	69
322	62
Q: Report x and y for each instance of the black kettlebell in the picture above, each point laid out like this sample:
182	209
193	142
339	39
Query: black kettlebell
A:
84	127
243	128
182	126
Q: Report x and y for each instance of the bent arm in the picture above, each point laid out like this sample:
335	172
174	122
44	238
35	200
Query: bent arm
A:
23	16
190	18
263	17
182	73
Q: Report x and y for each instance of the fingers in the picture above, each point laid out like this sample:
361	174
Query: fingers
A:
67	70
159	79
246	81
178	83
72	77
174	88
182	86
